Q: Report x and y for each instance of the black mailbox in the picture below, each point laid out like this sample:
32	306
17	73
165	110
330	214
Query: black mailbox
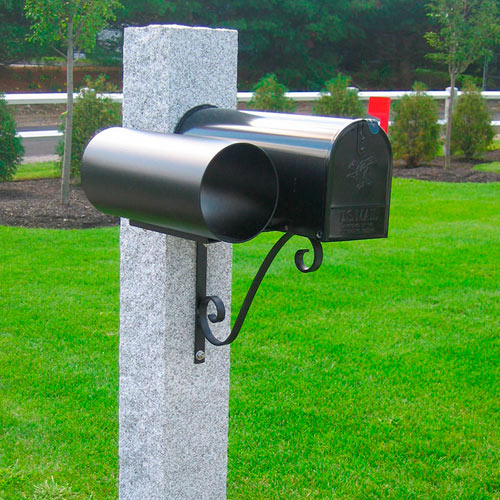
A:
219	176
227	175
334	174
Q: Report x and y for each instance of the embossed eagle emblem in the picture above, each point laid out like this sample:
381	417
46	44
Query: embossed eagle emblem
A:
359	171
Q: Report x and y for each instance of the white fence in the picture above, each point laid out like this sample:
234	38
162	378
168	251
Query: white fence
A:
60	98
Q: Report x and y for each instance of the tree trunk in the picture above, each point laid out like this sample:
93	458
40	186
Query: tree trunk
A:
447	144
406	44
485	72
68	130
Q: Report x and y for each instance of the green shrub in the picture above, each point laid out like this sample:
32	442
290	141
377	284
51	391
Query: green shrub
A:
339	100
415	130
472	131
269	95
11	148
91	114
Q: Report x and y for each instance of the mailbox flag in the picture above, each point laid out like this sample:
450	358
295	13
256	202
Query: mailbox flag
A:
380	107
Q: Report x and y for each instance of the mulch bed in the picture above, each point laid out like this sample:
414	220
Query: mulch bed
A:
439	174
460	170
38	203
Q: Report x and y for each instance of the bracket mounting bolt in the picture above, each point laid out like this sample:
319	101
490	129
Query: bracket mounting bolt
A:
200	355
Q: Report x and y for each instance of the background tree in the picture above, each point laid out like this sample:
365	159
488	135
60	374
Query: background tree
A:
295	39
467	29
70	25
13	30
143	12
379	42
389	43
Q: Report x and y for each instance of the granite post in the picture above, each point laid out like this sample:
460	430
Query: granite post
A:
173	414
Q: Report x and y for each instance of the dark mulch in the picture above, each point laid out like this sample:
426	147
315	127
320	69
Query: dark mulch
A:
38	204
460	170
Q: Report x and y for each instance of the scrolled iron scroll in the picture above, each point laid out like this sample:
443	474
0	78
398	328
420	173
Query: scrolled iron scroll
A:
220	314
318	258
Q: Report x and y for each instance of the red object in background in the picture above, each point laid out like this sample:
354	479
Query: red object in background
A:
380	107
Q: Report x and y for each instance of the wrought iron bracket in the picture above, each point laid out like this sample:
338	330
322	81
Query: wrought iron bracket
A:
202	329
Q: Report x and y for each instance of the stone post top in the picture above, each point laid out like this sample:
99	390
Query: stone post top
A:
170	69
179	27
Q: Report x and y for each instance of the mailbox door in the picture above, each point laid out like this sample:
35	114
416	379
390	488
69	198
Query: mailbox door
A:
359	184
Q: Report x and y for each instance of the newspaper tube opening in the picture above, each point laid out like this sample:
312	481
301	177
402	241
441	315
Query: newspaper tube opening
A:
239	193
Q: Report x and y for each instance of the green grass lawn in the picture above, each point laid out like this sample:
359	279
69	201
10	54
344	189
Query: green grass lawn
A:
489	167
495	144
376	377
43	170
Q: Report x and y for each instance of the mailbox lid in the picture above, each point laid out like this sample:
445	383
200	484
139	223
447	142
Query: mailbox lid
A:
359	184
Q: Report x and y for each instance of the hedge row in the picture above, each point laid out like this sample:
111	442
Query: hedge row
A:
414	134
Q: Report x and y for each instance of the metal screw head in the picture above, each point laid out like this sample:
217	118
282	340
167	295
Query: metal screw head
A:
200	355
319	235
